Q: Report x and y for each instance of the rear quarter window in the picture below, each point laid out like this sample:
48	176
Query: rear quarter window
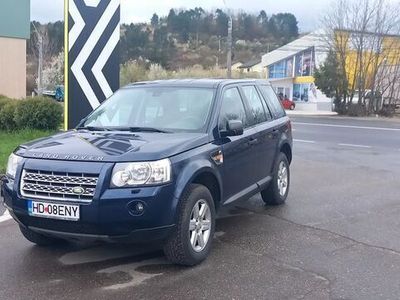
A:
272	101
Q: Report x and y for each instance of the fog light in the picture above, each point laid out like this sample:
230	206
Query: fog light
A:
139	207
136	208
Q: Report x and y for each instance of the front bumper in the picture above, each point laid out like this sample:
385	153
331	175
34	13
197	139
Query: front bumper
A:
108	217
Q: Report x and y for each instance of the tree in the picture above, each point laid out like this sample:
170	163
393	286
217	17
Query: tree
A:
198	13
53	74
284	25
363	35
154	20
329	78
134	42
262	17
171	20
222	23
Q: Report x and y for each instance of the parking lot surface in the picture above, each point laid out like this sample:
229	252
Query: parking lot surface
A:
337	237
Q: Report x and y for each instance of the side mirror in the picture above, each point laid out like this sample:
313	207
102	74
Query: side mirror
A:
234	128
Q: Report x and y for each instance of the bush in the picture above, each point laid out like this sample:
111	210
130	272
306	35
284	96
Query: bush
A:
356	110
38	113
3	101
133	71
7	113
32	113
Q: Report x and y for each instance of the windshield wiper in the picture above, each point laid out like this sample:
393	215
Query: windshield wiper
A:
141	129
93	128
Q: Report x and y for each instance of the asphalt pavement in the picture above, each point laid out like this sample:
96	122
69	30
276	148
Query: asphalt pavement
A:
337	237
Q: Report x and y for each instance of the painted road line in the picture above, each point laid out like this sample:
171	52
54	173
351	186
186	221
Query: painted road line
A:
5	217
356	146
347	126
304	141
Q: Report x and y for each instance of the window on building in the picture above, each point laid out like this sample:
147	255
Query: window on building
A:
289	67
300	92
278	70
307	63
304	63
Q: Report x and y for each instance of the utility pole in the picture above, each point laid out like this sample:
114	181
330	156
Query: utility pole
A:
40	66
40	61
229	46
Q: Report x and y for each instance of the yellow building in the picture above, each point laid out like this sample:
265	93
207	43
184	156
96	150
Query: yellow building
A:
365	53
290	68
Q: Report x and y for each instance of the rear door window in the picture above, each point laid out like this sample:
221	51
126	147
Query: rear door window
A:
257	108
272	101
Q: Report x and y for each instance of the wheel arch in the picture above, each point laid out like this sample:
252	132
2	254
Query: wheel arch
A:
287	150
207	176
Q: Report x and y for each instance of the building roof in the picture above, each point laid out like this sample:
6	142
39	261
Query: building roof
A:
250	64
314	39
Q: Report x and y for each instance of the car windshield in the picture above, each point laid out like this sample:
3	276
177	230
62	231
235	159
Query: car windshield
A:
165	109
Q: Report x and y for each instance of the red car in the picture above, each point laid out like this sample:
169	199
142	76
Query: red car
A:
288	104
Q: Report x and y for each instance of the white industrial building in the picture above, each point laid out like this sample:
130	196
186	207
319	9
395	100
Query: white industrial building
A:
290	69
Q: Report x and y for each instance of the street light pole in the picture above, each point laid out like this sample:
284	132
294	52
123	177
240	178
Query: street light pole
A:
40	61
229	46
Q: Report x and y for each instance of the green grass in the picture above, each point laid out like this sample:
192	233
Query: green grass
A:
10	140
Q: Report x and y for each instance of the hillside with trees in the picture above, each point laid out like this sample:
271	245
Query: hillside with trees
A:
180	40
189	37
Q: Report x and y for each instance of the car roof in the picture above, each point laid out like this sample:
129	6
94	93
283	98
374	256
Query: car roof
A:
202	83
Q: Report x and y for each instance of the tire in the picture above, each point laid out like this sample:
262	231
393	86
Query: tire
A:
292	107
273	195
178	248
37	238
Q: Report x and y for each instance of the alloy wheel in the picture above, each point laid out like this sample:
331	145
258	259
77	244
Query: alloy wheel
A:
282	178
200	225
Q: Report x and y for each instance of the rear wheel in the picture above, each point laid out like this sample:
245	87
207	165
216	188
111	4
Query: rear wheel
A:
278	189
292	107
191	241
38	239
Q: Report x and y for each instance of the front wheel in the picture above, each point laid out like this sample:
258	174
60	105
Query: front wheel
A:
191	241
292	107
278	189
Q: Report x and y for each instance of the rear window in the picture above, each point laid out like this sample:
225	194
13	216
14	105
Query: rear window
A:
272	100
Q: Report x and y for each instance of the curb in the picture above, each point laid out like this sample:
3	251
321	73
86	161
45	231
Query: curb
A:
311	113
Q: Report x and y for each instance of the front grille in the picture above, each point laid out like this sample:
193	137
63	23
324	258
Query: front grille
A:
58	185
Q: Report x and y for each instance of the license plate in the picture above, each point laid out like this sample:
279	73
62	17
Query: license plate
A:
54	211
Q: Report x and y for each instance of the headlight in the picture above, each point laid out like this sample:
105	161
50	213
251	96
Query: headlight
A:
141	173
12	165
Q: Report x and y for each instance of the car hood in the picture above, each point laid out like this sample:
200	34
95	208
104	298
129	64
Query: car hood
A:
111	146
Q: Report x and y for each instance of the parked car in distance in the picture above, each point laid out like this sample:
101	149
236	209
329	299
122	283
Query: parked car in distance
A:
155	162
57	93
286	102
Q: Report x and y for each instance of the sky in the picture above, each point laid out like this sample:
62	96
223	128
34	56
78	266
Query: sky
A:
307	12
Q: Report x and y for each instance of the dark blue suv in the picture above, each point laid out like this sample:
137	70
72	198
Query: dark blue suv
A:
155	162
